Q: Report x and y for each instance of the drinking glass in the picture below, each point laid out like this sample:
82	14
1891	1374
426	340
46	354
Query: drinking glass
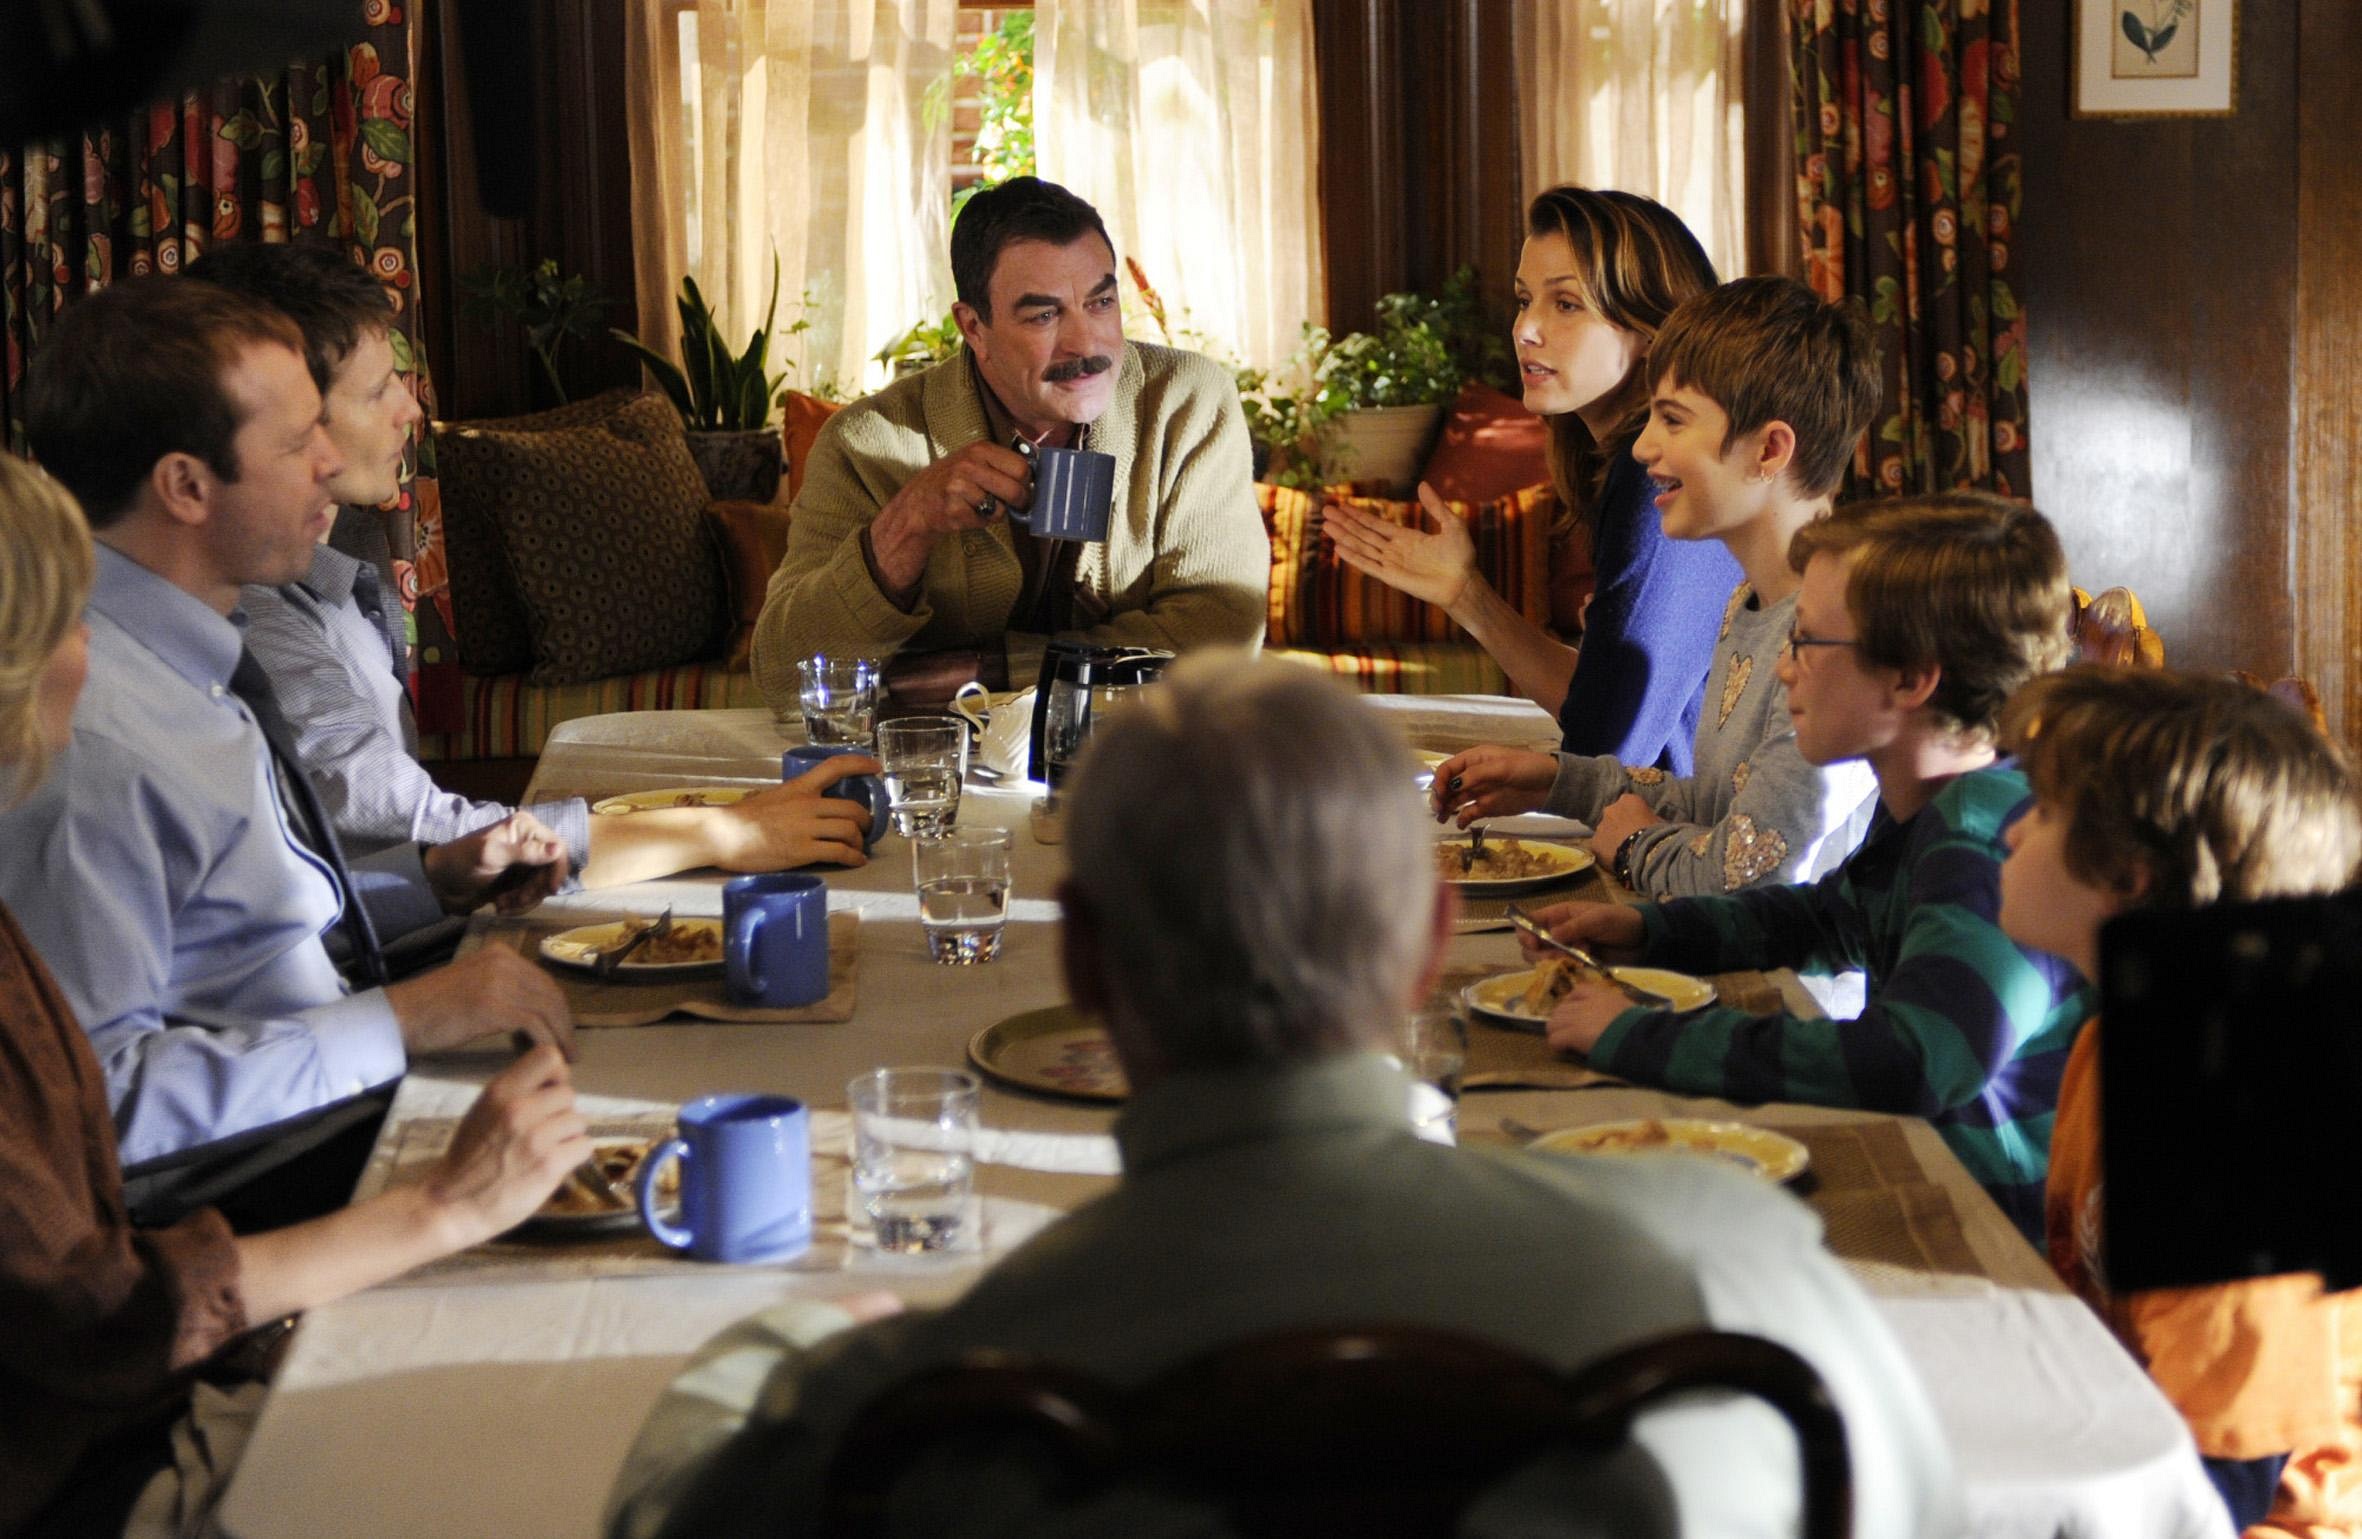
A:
925	758
840	700
963	886
1432	1046
914	1156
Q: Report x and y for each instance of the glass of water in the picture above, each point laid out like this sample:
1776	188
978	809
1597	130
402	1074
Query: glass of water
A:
963	885
914	1156
840	701
925	758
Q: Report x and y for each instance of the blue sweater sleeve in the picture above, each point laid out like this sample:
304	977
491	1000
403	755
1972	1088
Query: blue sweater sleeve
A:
1656	610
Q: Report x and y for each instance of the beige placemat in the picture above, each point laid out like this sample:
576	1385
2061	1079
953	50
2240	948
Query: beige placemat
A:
1877	1202
627	1003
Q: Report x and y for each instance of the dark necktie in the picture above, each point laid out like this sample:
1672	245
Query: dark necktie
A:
250	684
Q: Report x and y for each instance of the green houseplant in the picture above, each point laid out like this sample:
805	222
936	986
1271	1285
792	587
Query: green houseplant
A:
553	308
724	397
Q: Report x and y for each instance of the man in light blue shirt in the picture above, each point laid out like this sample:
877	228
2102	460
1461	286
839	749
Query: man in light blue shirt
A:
162	871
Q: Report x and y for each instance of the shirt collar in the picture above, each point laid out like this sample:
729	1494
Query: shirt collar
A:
333	575
196	643
1194	1111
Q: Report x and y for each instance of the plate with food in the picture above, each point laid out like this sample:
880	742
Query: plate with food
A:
1057	1049
581	1206
689	947
672	796
1507	864
1526	998
1774	1156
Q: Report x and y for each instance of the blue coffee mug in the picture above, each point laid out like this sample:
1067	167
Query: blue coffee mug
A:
868	790
746	1179
1073	489
775	939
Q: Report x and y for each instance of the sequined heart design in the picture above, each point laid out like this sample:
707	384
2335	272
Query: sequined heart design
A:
1734	684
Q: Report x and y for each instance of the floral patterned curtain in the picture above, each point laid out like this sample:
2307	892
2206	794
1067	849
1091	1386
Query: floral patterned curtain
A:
319	153
1907	187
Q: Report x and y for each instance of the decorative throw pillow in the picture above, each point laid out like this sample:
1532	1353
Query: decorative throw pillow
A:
493	634
1319	601
604	532
1490	447
799	429
753	538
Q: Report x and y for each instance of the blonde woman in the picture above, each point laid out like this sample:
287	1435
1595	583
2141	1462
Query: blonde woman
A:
1599	273
108	1323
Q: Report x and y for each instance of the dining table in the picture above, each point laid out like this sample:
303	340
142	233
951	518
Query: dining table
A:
497	1391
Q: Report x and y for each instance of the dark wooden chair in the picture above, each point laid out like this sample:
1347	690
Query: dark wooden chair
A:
1379	1431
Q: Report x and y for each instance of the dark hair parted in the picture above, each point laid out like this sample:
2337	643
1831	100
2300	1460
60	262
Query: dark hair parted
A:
1972	585
1021	208
1635	264
323	291
1771	350
134	372
2210	788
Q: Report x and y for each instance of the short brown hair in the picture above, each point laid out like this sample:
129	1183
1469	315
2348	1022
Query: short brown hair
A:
325	292
1972	585
46	566
1771	350
133	372
2211	787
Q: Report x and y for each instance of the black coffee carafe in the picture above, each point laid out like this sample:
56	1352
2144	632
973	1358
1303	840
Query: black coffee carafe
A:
1076	676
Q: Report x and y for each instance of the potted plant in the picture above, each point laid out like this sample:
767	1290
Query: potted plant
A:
724	398
923	346
553	309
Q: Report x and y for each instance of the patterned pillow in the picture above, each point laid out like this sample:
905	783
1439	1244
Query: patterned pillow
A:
1319	601
602	528
493	633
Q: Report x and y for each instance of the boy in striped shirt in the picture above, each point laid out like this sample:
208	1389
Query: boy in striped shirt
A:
1915	620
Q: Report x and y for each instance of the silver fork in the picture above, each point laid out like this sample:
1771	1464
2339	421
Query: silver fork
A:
605	964
1473	849
1633	991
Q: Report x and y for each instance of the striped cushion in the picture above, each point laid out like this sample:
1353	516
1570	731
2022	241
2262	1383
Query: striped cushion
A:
504	717
1410	668
1319	601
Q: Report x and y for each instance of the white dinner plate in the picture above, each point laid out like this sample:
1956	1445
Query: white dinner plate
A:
1562	861
580	947
673	796
1502	996
1774	1156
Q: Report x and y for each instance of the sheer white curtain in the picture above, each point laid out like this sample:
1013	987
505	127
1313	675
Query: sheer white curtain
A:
1641	95
801	128
1192	125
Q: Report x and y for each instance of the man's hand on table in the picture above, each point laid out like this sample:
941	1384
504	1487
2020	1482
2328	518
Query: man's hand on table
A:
1490	781
515	863
953	494
1624	817
490	990
1611	932
794	824
512	1149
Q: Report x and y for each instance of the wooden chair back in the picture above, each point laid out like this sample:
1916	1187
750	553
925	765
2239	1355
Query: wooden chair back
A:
1378	1431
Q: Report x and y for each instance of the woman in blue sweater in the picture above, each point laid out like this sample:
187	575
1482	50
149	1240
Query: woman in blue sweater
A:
1599	273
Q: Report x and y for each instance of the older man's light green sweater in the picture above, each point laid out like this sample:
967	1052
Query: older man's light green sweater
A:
1186	562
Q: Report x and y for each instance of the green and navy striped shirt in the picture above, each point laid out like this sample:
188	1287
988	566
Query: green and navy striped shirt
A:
1963	1027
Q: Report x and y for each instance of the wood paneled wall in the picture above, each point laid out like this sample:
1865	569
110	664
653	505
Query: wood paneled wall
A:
2192	293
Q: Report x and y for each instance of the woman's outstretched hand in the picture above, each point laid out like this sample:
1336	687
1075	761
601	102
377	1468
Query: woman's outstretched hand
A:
1437	565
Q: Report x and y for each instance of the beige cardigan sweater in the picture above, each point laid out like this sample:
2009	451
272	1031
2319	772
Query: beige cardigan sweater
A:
1186	562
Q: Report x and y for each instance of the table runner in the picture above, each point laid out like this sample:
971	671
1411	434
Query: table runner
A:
638	1003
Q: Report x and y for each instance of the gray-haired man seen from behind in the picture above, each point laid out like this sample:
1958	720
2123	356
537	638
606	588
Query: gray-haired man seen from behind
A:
1252	906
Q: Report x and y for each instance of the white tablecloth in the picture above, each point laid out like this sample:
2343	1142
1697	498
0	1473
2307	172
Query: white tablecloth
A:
504	1408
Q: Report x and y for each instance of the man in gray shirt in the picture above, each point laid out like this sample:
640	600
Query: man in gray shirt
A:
1252	906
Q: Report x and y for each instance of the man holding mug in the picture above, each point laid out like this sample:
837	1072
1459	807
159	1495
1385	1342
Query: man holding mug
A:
912	530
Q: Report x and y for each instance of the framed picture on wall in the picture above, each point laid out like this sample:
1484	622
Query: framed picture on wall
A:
2155	58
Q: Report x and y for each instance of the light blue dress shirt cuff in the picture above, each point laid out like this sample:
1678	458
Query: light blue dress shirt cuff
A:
392	884
360	1042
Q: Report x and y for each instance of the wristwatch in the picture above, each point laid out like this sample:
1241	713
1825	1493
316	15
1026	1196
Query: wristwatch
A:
1621	866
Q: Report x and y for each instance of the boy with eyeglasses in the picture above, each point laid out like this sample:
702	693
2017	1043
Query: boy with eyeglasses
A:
1916	619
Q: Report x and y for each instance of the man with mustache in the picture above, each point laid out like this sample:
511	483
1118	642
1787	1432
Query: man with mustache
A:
901	539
